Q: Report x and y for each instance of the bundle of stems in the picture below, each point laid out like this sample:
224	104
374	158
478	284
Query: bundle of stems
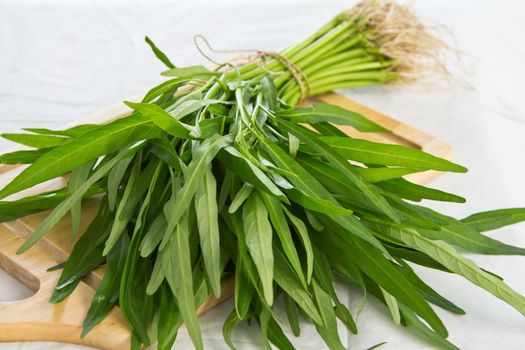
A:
216	174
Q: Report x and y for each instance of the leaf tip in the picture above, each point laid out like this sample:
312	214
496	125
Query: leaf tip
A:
23	248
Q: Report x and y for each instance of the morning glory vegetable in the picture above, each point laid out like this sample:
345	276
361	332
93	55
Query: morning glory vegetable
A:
217	174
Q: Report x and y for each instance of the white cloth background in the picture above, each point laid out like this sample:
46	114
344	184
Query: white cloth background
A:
60	60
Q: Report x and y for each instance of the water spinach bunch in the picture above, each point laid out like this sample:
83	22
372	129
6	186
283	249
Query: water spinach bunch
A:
217	174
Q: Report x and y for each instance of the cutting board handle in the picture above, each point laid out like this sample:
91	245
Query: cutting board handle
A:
34	318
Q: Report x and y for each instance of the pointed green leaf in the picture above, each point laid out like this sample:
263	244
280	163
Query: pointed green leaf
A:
369	152
162	119
159	54
286	279
374	175
77	178
106	295
307	183
23	157
328	329
243	289
12	210
259	234
247	171
208	226
446	255
179	276
491	220
36	141
414	192
341	165
240	197
190	71
87	147
54	217
324	112
280	225
202	157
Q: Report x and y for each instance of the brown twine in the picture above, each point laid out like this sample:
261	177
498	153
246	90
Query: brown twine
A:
300	78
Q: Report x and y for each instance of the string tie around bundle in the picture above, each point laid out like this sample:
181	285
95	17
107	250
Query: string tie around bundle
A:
256	55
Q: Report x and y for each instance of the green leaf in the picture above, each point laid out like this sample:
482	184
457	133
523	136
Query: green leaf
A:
236	224
291	313
74	131
179	276
12	210
247	171
413	322
459	234
208	224
328	329
446	255
345	316
187	107
138	183
87	147
202	157
369	152
190	72
392	305
36	141
208	127
240	197
313	221
341	165
61	210
352	273
114	181
169	86
244	289
107	294
302	232
382	272
162	119
494	219
157	275
323	112
377	346
286	279
228	326
307	183
153	236
316	204
86	254
159	54
263	318
374	175
77	178
324	277
426	291
327	129
165	151
414	192
277	336
293	145
23	157
136	305
170	319
258	231
280	225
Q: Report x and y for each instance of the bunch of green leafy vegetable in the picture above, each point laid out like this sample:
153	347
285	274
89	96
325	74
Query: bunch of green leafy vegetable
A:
217	175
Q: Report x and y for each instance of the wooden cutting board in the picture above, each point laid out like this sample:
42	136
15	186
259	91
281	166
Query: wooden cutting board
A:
35	319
